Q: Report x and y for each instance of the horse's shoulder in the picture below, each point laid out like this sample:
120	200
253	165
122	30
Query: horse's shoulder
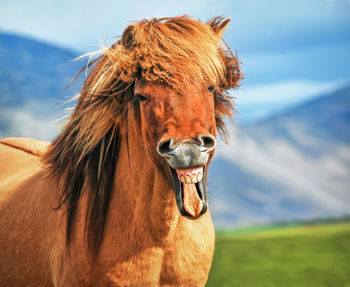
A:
34	147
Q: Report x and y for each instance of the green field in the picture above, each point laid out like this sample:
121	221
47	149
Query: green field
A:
309	256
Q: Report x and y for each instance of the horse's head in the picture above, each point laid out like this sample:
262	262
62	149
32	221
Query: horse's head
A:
179	95
181	128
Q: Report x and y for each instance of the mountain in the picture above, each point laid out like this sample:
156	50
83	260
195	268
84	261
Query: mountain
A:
295	165
33	77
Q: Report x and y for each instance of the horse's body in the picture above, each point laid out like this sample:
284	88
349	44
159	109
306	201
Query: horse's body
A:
139	247
145	240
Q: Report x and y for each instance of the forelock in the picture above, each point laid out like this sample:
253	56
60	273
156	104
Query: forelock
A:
176	51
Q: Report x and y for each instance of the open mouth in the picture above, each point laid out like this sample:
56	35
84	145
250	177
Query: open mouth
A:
190	191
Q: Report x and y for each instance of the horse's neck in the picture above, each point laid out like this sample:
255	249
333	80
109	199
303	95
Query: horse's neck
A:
146	194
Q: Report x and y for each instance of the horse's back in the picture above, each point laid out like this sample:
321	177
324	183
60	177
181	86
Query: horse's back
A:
26	214
19	159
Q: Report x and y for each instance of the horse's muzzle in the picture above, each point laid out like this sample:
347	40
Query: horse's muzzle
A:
187	161
187	153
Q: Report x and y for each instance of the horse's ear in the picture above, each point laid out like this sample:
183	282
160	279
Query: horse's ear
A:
128	39
219	25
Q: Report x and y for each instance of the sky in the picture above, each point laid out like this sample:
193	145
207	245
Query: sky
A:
290	50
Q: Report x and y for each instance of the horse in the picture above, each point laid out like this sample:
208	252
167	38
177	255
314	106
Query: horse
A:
119	198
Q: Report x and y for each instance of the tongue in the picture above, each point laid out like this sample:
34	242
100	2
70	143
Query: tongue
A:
192	203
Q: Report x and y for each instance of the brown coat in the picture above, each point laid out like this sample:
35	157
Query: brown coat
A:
137	250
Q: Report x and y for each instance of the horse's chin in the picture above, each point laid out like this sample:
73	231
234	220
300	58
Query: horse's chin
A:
192	198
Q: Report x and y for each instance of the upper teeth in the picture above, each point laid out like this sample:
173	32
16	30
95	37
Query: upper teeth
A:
192	175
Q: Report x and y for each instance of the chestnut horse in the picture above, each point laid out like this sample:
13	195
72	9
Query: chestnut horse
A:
120	196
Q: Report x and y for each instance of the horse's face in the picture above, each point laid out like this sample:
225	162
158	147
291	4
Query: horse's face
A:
179	131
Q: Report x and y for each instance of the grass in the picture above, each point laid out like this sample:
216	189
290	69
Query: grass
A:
309	256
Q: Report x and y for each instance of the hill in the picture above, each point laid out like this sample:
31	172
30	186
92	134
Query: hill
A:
301	256
33	76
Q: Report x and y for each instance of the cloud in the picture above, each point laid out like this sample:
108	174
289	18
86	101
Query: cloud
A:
255	24
79	24
321	181
29	121
284	91
324	63
259	101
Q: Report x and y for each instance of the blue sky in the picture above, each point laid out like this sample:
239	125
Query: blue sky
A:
290	50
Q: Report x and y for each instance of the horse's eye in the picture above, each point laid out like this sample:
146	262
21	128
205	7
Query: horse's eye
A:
211	88
141	98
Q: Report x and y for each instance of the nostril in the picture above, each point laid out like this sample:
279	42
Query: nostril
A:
208	141
164	147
